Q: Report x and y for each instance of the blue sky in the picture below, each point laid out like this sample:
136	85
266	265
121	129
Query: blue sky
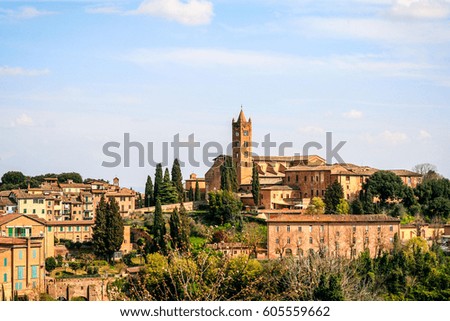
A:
75	75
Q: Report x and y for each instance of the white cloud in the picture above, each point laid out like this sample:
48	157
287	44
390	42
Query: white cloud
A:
387	136
25	13
393	138
274	62
23	120
423	134
353	114
104	10
19	71
311	130
376	29
190	12
421	9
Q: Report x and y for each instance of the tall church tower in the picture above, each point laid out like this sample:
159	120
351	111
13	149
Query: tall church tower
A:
242	148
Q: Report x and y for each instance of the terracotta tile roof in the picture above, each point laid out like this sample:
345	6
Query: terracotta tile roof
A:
277	188
404	172
282	218
5	218
5	193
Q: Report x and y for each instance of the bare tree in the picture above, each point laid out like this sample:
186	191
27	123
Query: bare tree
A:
424	168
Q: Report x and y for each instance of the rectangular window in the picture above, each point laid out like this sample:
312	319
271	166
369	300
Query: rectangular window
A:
5	277
86	228
61	228
20	272
277	241
49	229
288	240
310	228
379	228
20	255
322	228
33	254
18	286
69	228
24	211
278	228
34	271
10	231
288	228
43	211
78	228
354	229
391	228
322	240
245	132
310	240
5	261
34	211
299	228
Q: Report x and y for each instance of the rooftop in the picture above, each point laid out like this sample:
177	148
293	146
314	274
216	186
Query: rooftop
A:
285	218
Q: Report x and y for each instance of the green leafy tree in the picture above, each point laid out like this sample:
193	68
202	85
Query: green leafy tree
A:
139	201
75	177
158	181
99	231
114	228
434	197
256	188
385	185
175	228
343	207
166	178
184	240
159	230
177	179
224	207
13	178
333	195
316	206
191	194
149	196
50	264
356	207
329	289
197	195
168	193
228	176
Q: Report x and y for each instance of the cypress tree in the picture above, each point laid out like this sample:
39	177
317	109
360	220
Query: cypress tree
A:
197	196
175	229
228	176
149	196
166	176
177	179
255	185
185	242
159	230
191	194
333	195
168	193
99	230
158	181
114	230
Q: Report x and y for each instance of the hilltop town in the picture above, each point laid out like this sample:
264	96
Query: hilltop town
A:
254	227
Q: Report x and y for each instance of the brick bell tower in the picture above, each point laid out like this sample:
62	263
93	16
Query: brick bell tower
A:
242	148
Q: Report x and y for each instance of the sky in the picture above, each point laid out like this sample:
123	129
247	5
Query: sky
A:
76	75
